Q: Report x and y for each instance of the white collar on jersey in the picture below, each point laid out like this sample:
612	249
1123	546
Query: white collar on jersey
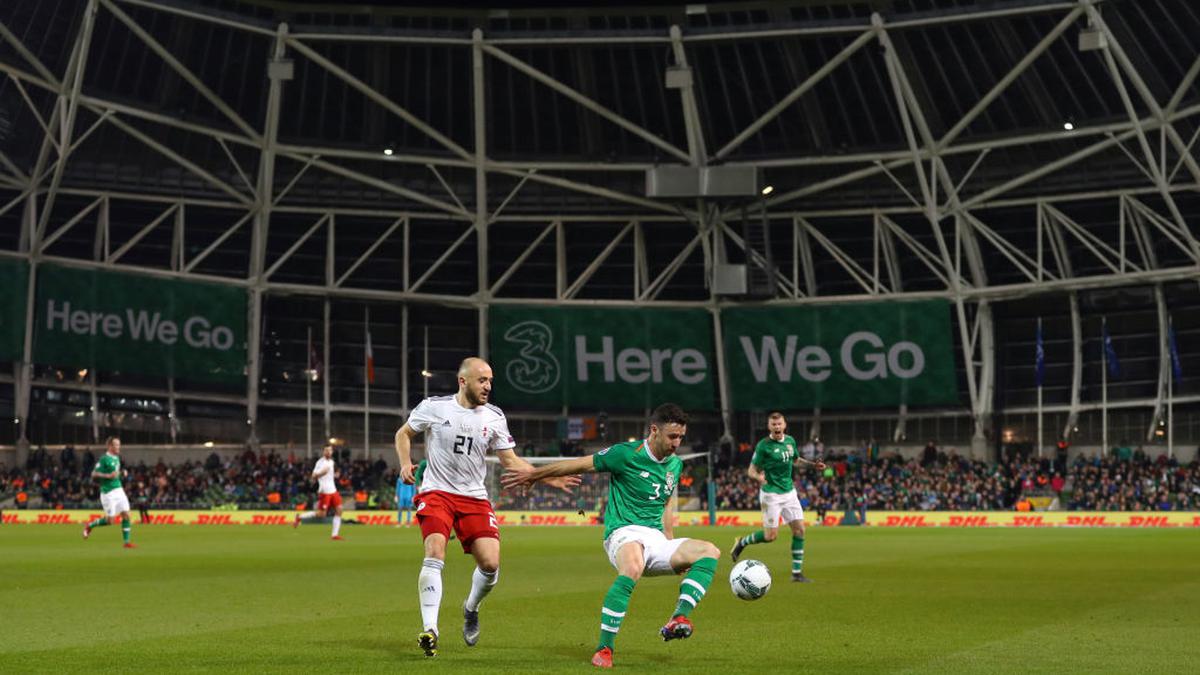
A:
650	453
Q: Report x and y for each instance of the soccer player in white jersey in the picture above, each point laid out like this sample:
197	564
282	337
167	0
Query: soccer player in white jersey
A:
327	493
459	430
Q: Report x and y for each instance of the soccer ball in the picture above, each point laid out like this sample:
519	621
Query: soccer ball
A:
750	579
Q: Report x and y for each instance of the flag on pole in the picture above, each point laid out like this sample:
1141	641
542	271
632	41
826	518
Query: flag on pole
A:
1110	353
1176	367
1039	363
370	361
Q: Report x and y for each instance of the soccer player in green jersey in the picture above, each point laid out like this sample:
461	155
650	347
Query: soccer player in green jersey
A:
112	495
772	467
639	523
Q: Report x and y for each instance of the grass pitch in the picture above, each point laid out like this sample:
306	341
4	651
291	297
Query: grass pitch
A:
274	599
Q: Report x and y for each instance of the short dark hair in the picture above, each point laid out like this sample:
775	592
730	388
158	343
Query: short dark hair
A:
668	413
775	415
108	441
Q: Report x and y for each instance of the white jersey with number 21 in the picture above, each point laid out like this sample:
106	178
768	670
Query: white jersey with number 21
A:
456	441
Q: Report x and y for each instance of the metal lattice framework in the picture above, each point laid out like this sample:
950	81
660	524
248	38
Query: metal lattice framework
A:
928	186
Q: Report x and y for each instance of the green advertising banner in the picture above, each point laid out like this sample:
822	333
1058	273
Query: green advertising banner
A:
602	358
14	280
140	324
852	355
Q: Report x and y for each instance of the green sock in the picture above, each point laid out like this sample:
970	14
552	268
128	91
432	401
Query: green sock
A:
797	554
99	522
753	538
125	527
694	585
616	601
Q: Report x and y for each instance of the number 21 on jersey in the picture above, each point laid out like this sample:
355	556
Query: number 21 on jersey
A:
461	441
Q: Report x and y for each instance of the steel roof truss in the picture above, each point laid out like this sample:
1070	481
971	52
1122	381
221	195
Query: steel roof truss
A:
856	271
441	259
929	258
1110	257
66	227
1168	228
371	249
117	254
586	102
191	265
529	250
810	82
182	70
321	222
587	273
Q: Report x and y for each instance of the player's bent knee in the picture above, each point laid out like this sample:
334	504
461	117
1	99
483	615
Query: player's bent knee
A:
710	550
770	535
435	546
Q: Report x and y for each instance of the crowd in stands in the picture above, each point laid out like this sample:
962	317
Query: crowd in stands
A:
1136	484
936	481
946	481
249	480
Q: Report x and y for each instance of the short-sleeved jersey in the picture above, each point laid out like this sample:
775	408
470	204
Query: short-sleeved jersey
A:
775	459
109	464
456	441
639	487
325	484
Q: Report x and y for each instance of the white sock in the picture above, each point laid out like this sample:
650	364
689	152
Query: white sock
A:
429	590
481	585
307	514
337	524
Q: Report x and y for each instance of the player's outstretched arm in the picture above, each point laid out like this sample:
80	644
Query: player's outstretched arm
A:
404	436
520	474
800	461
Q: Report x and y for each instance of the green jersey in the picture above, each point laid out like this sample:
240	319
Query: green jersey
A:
639	485
775	459
109	464
419	473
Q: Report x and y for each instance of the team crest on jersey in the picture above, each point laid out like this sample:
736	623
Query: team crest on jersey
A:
670	481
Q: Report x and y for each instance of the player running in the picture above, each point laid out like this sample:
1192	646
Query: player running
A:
772	467
112	495
459	430
639	523
327	494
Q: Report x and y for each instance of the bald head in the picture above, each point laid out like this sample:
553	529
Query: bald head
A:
470	364
474	382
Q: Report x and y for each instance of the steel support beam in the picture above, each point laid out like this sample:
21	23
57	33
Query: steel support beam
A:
258	246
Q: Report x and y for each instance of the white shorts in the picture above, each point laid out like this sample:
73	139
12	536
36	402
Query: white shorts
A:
775	505
656	548
114	502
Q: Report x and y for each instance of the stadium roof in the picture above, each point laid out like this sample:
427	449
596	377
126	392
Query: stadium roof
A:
971	150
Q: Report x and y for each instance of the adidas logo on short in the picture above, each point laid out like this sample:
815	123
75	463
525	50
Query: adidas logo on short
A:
446	423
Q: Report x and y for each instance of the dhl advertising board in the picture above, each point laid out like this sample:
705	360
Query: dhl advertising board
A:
1157	519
